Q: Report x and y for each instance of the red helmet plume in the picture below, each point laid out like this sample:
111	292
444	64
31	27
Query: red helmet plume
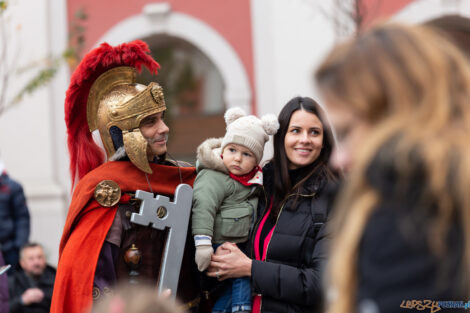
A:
85	155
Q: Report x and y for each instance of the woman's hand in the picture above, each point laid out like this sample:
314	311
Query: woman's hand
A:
229	262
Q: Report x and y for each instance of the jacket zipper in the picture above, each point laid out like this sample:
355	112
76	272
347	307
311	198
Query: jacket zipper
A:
274	228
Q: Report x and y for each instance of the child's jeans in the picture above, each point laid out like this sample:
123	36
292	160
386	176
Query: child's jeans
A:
235	298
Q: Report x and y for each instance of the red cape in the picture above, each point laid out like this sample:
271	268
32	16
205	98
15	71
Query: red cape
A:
87	225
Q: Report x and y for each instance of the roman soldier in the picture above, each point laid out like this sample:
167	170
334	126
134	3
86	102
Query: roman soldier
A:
100	245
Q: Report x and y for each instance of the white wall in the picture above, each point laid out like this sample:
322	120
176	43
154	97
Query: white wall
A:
421	11
32	134
290	37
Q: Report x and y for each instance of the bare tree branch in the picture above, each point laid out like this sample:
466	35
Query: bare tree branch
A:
45	69
4	70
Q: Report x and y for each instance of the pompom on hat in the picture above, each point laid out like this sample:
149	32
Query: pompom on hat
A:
248	130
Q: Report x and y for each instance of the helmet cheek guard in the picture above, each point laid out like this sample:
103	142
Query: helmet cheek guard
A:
137	148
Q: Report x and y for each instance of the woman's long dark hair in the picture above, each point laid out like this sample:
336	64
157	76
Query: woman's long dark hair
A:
282	186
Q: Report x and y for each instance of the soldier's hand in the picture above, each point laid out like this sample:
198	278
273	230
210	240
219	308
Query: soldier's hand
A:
203	256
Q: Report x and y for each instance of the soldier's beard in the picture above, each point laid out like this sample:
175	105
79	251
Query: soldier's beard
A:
157	146
155	140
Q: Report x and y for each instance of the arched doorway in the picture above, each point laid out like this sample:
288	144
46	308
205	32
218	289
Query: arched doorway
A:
193	89
191	39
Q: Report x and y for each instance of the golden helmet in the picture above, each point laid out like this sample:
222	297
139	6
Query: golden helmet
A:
116	99
103	95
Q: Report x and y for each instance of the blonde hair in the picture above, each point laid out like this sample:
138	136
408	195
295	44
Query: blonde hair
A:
136	299
412	87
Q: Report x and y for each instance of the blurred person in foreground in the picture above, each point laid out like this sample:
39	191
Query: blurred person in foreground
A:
137	299
100	244
31	285
399	99
14	218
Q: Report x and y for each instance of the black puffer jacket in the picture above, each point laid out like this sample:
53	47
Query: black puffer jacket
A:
290	280
20	282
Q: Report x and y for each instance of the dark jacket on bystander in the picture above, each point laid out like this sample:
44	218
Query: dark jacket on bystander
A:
396	261
18	282
14	219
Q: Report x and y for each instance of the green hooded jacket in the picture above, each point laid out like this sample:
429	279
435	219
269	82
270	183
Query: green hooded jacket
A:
222	207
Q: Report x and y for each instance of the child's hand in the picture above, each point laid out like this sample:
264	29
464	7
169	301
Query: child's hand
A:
203	256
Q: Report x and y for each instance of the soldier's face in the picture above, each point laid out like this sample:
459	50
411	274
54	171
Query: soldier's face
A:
155	131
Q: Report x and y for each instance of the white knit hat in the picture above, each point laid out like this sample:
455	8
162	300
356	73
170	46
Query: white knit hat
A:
249	131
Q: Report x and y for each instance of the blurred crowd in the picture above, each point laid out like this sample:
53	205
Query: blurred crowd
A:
30	281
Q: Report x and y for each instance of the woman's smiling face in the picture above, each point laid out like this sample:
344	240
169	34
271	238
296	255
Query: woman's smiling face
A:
304	139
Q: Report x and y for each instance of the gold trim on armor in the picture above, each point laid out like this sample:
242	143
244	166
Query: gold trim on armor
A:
107	193
191	304
95	293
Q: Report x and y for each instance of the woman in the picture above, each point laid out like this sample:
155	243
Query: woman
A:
399	99
288	242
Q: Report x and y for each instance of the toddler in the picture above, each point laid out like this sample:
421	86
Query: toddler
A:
224	202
